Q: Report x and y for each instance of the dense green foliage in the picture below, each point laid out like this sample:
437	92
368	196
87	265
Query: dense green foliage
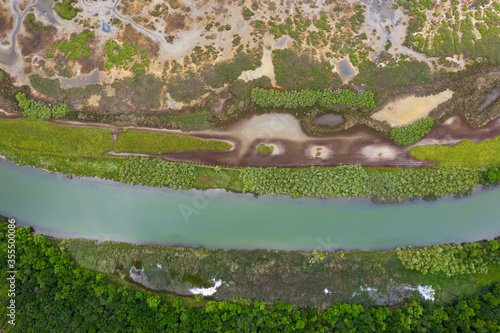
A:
65	9
306	98
451	259
158	173
38	110
409	134
77	46
154	143
54	295
26	135
491	176
482	155
300	71
341	181
123	57
33	110
60	110
263	149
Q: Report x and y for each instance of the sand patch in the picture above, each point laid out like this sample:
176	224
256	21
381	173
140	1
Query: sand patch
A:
266	69
375	152
321	152
407	110
270	125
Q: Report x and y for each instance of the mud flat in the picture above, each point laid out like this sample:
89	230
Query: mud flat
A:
406	110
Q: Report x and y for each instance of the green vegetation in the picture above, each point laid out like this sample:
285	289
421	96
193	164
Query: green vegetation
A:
33	110
491	176
65	9
123	57
229	71
32	25
153	143
480	155
38	110
186	87
394	78
263	149
49	87
60	110
327	98
23	135
409	134
451	259
247	13
76	47
299	71
346	181
87	301
157	173
143	91
192	121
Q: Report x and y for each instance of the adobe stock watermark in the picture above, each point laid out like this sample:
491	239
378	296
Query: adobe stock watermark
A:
200	201
326	244
11	273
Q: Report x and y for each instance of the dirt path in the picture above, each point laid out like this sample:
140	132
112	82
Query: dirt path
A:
358	145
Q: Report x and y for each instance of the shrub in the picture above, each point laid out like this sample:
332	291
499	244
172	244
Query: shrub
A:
408	135
66	9
263	149
33	110
307	98
77	46
60	110
49	87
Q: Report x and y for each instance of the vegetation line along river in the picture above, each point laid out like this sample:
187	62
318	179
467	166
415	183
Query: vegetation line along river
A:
105	210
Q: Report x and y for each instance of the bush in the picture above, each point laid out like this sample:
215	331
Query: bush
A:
299	71
263	149
66	9
38	110
49	87
451	259
33	110
77	46
60	110
408	135
192	121
326	98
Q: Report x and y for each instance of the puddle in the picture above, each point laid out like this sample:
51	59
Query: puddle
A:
329	119
80	81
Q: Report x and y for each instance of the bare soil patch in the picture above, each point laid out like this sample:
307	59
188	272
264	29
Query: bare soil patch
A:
406	110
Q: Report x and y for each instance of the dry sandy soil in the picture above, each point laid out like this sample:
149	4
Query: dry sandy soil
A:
406	110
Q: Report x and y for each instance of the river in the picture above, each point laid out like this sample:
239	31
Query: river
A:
105	210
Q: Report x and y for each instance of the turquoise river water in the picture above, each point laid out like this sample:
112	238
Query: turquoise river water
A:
105	210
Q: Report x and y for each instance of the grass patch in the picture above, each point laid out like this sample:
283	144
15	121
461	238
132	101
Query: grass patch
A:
34	136
153	143
264	149
192	121
482	155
